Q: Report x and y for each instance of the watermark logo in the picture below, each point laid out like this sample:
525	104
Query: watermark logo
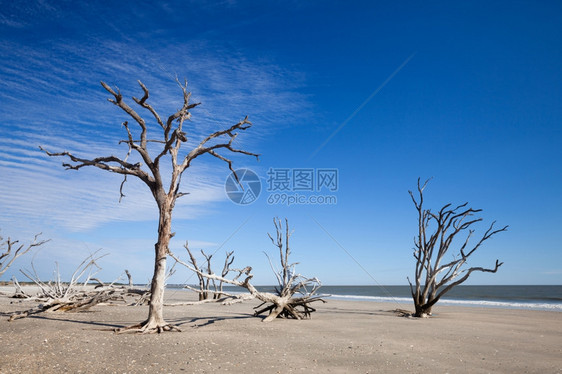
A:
299	199
245	192
300	186
286	186
286	179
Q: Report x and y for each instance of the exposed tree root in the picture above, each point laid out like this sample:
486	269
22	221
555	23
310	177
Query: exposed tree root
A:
402	313
291	309
147	327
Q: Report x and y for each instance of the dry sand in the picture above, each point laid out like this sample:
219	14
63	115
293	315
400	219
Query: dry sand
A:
341	337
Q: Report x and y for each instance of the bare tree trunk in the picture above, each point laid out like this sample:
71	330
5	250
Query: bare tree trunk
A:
202	290
130	277
229	259
155	321
207	293
155	310
422	310
156	305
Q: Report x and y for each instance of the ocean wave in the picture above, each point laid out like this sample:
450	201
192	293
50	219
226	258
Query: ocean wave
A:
480	303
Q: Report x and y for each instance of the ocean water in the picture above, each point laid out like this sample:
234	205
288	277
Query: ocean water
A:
518	297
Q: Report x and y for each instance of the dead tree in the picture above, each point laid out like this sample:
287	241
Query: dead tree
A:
203	282
76	295
290	283
169	142
204	290
228	260
435	275
284	303
56	288
12	249
57	295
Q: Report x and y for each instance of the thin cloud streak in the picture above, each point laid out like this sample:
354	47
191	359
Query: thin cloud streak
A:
50	95
67	110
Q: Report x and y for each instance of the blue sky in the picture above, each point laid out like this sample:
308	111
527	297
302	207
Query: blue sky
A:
468	94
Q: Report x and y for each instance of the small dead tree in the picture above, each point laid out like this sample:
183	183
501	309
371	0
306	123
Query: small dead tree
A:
169	142
59	296
435	276
228	260
59	290
204	290
292	297
76	295
12	249
203	282
290	283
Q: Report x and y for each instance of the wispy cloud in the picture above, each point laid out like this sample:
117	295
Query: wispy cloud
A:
21	15
51	97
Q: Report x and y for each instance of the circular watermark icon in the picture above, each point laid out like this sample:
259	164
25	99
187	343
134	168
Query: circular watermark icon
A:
245	192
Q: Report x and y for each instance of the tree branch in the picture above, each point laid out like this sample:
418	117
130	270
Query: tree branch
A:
10	250
202	148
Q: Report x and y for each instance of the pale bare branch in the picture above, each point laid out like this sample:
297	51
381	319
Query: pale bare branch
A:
10	250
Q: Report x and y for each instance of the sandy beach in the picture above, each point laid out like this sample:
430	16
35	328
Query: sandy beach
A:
341	337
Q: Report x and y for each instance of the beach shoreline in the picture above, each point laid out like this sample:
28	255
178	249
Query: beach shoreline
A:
343	336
